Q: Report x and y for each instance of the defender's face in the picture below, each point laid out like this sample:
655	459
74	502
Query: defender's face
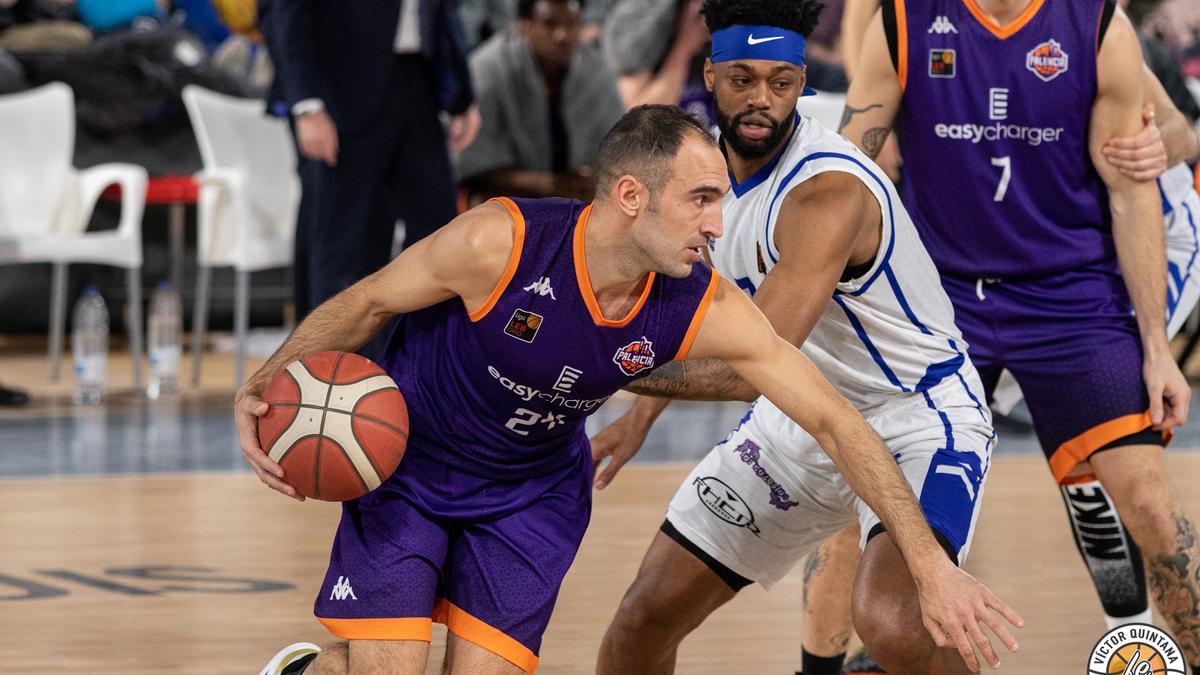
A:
688	211
553	31
755	101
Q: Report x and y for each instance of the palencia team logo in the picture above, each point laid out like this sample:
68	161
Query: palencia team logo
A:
1136	649
1047	60
635	357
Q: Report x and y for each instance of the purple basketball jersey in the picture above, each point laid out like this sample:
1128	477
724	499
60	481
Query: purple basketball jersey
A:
502	392
993	132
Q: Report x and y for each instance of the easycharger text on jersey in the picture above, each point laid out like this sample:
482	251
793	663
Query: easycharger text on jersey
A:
994	137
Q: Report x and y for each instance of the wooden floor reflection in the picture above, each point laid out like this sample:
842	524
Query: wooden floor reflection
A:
208	573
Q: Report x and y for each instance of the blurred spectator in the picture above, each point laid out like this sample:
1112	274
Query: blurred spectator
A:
365	83
110	15
41	26
1166	68
545	101
823	53
482	19
1176	23
595	12
652	70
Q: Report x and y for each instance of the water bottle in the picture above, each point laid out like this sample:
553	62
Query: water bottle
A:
163	337
89	343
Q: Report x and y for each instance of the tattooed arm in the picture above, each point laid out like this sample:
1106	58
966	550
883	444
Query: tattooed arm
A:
875	94
695	380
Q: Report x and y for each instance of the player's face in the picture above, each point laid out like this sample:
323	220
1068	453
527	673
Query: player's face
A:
687	212
755	101
553	32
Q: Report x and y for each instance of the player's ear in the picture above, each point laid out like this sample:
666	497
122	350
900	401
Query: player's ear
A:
710	74
630	195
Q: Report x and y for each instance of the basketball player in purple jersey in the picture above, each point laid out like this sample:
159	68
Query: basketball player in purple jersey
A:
1003	109
521	317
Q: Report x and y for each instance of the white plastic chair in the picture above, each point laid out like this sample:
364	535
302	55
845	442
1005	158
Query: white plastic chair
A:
825	107
45	205
246	210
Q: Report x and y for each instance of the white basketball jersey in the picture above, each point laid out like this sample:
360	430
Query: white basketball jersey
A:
891	330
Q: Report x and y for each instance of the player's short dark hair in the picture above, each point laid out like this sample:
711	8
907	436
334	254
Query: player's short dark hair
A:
525	7
799	16
643	144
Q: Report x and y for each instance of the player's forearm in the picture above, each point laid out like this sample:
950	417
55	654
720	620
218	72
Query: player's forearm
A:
873	474
1180	139
345	322
695	380
1141	251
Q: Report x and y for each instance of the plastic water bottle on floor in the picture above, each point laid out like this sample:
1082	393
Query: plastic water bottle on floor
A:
89	343
164	341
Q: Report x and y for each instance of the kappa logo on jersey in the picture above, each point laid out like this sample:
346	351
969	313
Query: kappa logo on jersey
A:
541	287
1047	60
635	357
1136	649
567	379
941	25
342	590
941	63
725	503
524	325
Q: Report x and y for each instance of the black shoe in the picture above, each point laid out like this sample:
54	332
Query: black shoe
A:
12	398
861	662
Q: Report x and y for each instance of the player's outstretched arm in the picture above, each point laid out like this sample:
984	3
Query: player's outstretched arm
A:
874	96
466	258
1136	218
953	603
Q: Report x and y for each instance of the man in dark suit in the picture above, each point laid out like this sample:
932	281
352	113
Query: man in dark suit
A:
364	81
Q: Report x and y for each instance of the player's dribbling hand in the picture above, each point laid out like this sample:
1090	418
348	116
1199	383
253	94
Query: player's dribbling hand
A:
954	604
1170	395
247	409
620	440
1142	157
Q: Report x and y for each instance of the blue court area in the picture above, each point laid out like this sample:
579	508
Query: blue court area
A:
167	437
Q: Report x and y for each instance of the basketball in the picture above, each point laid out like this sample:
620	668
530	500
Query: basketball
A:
337	425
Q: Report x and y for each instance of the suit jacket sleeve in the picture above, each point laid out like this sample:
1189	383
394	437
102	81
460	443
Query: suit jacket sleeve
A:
294	22
455	93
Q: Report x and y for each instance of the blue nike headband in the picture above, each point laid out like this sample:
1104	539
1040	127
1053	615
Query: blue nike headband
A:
768	43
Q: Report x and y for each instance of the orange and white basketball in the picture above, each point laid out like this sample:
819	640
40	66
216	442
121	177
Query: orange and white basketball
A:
337	425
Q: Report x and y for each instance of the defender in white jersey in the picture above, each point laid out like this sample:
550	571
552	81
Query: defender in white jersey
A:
816	233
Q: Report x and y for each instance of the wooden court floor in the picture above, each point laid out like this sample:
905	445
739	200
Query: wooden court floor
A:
211	573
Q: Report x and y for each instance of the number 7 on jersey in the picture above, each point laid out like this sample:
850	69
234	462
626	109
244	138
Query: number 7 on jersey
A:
1006	173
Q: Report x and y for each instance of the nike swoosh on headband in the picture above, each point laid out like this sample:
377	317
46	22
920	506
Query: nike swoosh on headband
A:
751	40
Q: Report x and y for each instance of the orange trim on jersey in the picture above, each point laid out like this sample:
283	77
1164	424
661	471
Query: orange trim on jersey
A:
415	628
469	628
585	281
514	259
698	318
1082	446
1003	32
1076	480
902	44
